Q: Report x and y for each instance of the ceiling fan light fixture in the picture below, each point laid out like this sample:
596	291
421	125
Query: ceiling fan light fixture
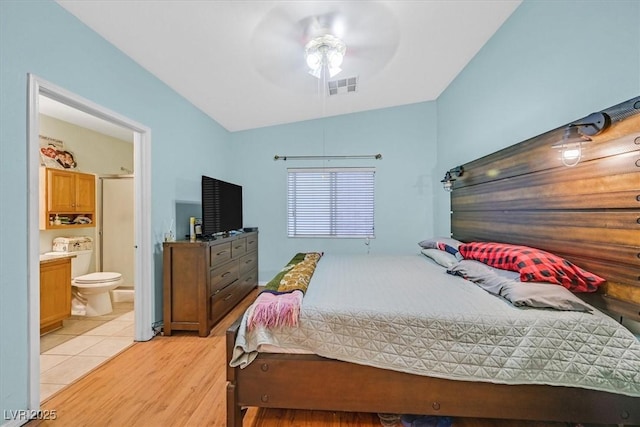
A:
334	58
314	60
324	52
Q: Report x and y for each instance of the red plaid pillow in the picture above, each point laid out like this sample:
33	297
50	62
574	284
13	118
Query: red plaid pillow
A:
534	265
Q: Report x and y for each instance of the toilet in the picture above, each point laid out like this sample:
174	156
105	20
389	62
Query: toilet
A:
91	292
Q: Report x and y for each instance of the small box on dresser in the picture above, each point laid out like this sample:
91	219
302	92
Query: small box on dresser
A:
204	280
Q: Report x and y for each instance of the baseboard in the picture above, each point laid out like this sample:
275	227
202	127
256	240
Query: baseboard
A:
122	295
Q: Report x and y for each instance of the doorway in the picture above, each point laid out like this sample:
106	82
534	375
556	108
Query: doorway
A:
143	245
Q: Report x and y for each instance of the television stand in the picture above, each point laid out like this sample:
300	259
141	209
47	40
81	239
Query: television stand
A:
205	279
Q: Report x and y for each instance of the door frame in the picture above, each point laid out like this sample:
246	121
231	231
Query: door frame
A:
144	277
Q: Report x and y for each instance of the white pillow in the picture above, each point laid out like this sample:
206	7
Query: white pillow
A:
443	258
433	242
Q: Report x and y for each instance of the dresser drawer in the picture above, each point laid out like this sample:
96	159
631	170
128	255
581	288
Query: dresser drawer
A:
248	280
227	298
219	254
248	262
224	301
238	247
223	275
252	243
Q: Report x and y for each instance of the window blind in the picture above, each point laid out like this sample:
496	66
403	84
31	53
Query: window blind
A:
330	202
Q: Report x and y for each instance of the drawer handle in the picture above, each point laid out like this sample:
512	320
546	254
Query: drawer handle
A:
226	274
248	261
227	297
221	252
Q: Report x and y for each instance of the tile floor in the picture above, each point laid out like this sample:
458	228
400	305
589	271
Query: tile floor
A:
81	345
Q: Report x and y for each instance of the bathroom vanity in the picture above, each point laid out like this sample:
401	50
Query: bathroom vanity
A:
204	280
55	291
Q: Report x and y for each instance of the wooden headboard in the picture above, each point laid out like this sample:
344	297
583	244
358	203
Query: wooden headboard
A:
588	213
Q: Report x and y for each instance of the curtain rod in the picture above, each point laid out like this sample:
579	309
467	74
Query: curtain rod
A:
364	156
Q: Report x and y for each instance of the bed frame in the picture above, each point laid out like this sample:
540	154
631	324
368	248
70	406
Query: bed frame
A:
589	214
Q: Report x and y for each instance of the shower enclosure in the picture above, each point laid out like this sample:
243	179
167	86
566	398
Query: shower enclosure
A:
116	232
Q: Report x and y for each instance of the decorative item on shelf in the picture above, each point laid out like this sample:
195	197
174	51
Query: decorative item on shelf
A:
54	155
578	133
169	236
198	228
192	229
81	219
450	176
63	220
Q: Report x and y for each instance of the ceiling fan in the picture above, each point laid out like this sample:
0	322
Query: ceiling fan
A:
283	39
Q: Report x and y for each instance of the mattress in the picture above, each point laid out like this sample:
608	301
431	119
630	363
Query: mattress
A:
407	314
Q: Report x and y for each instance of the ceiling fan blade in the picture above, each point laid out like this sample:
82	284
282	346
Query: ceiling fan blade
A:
371	36
276	45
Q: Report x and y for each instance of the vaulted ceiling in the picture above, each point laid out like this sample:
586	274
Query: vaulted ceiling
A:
242	62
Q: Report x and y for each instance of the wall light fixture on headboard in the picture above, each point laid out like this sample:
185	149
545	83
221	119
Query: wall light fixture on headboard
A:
578	133
449	177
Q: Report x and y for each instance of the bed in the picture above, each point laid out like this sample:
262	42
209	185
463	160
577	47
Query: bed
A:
520	196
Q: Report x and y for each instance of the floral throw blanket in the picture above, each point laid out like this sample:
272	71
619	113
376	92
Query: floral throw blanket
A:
279	304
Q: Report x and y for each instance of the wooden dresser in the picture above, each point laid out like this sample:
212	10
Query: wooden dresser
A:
204	280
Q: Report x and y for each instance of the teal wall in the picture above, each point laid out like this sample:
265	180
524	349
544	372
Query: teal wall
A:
406	138
40	37
550	63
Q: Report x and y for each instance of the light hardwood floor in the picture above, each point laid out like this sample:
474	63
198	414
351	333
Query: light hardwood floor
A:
181	381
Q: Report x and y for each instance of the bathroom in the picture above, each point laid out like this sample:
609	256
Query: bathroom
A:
110	158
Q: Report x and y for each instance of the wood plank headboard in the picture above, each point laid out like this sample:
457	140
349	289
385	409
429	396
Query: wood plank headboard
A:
588	213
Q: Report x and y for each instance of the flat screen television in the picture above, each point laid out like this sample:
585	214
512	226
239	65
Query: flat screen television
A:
221	206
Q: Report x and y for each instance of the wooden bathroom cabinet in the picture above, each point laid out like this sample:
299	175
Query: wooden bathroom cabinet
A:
204	280
66	193
55	293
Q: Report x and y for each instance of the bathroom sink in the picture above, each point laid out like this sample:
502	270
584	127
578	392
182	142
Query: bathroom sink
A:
54	255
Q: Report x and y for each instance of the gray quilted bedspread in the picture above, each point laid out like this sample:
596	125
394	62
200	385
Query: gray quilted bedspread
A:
405	313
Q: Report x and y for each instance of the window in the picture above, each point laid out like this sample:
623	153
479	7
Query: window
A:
330	202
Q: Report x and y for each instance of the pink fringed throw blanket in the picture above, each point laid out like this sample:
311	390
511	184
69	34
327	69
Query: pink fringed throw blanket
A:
272	310
279	304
